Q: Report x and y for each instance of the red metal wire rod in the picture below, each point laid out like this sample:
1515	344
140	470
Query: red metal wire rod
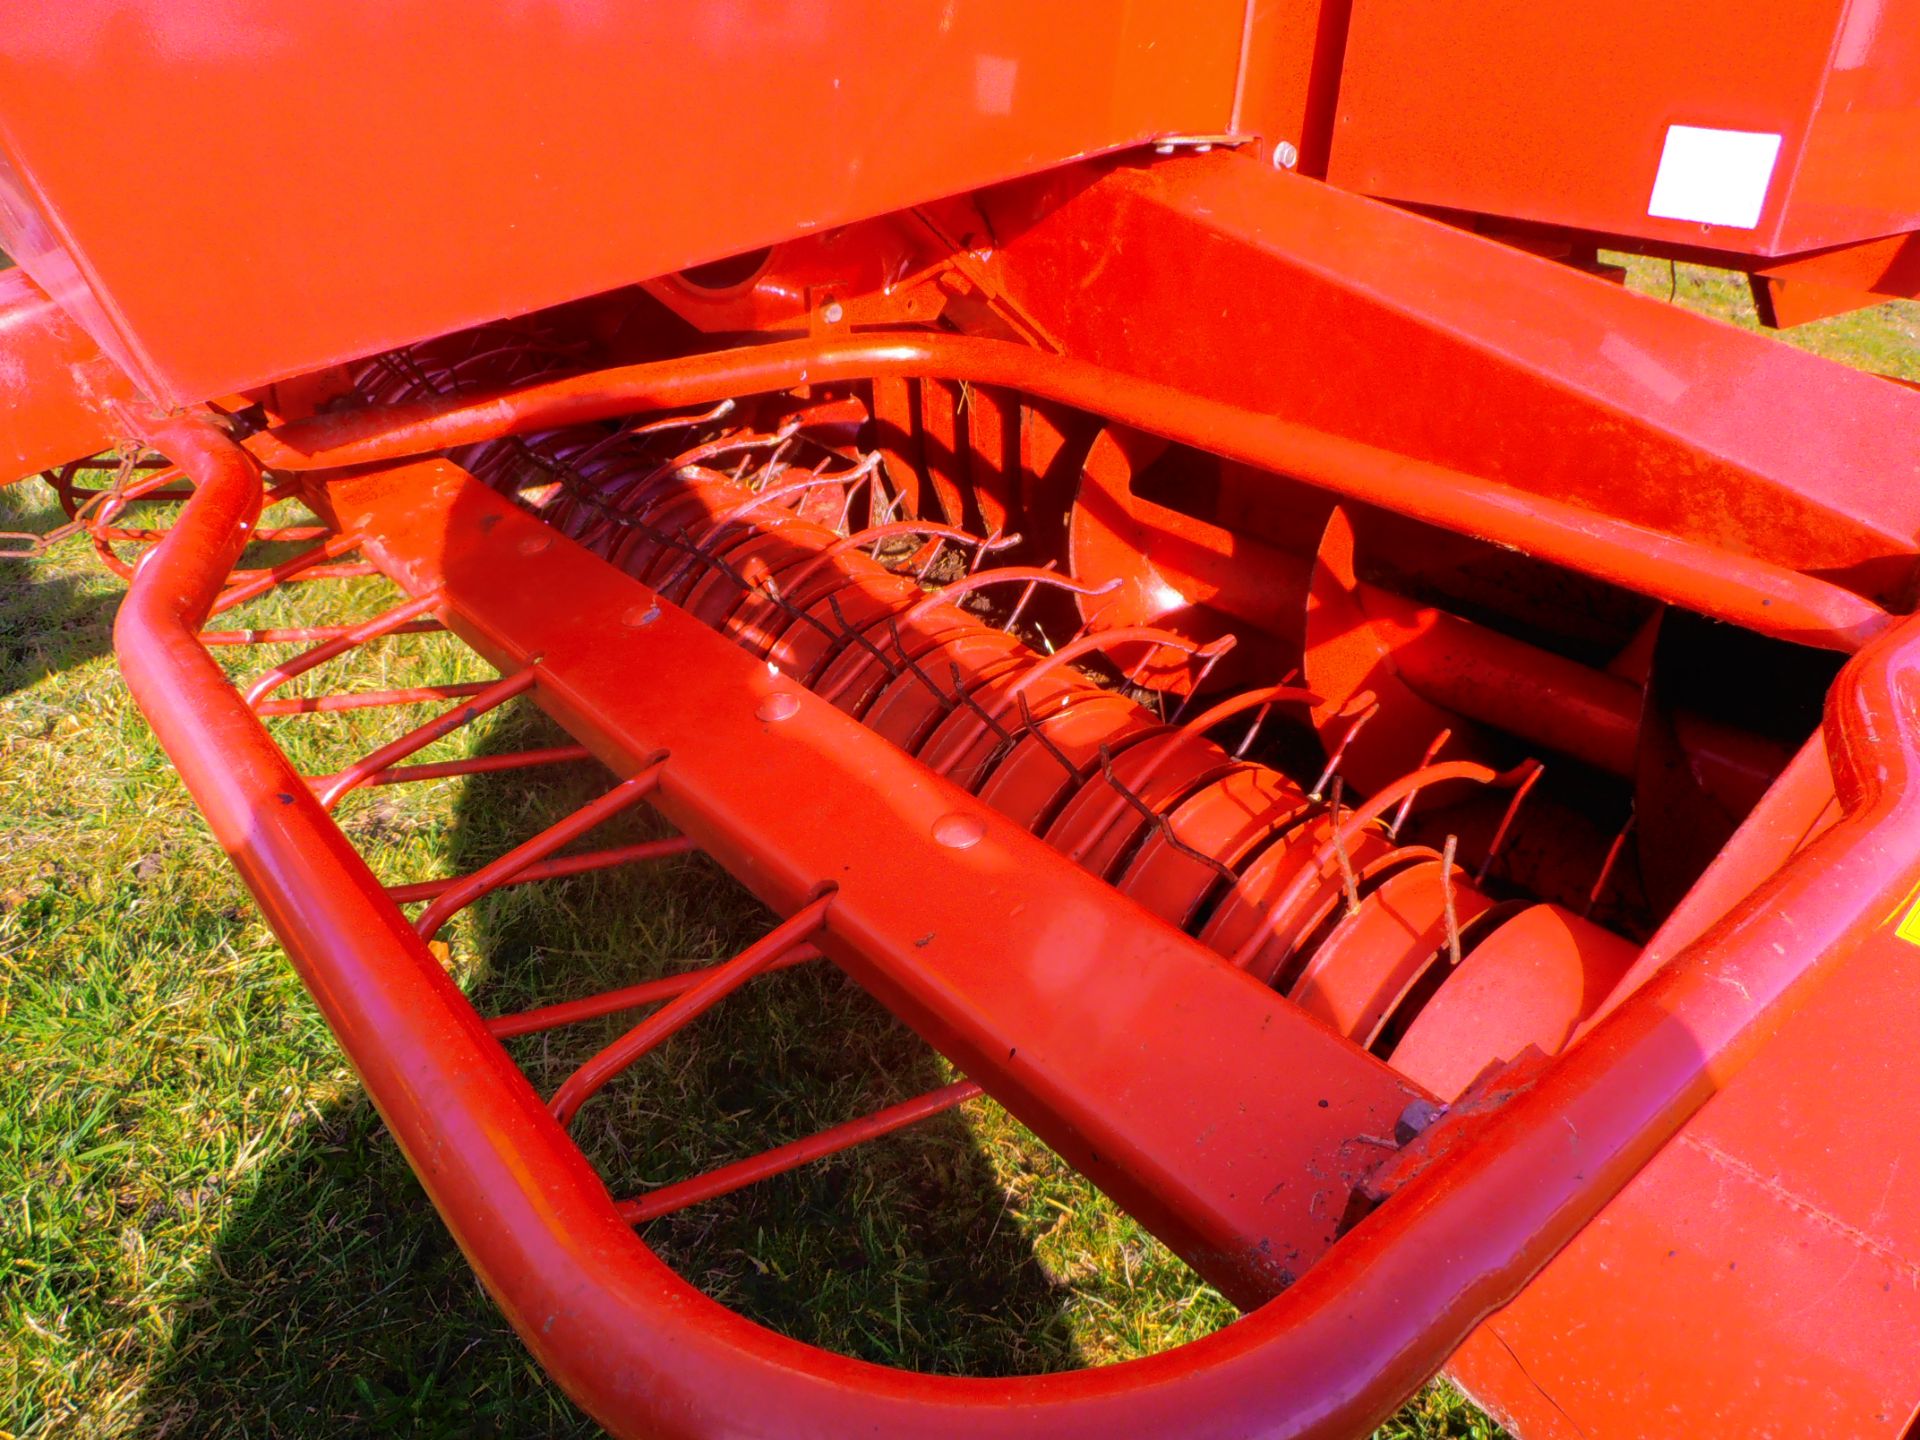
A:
623	796
722	981
367	699
628	997
584	864
470	765
258	585
306	634
332	789
725	1179
356	635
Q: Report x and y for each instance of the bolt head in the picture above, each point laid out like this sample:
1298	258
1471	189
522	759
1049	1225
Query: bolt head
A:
834	312
1286	155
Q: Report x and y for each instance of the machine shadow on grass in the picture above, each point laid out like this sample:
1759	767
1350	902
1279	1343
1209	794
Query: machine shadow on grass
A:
48	622
335	1303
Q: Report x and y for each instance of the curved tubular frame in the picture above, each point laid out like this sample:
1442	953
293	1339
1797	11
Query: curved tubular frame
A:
648	1355
1757	594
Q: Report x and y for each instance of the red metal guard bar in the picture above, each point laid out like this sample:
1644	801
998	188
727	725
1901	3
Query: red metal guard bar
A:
628	997
455	898
726	1179
648	1355
721	981
584	864
1762	596
332	789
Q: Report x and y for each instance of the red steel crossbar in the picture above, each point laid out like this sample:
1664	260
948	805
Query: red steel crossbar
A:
646	1353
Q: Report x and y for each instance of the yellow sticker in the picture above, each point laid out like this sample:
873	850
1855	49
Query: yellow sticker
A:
1909	928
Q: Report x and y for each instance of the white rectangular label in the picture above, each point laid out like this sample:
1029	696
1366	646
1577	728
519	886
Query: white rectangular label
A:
1717	177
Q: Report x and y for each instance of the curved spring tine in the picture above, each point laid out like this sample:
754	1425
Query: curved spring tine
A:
1346	830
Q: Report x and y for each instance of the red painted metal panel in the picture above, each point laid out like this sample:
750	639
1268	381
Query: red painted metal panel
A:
1351	316
232	191
1561	114
1289	79
56	388
1832	282
1762	1275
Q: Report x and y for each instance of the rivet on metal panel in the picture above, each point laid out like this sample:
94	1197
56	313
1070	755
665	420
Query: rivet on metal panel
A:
778	706
959	832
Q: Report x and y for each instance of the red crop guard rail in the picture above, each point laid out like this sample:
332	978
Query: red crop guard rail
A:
648	1355
1742	589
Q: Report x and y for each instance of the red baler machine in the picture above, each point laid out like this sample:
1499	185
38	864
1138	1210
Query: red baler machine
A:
1144	532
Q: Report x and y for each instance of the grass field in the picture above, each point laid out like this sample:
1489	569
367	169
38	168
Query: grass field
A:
203	1227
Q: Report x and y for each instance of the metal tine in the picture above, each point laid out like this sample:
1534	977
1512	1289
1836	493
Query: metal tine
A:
1171	742
1308	875
996	540
1606	865
586	1082
583	491
772	596
1318	792
1260	717
1406	806
1006	740
1020	605
933	555
1207	662
718	528
860	638
1036	729
1159	821
725	522
900	648
874	534
1090	643
953	591
650	428
1520	793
